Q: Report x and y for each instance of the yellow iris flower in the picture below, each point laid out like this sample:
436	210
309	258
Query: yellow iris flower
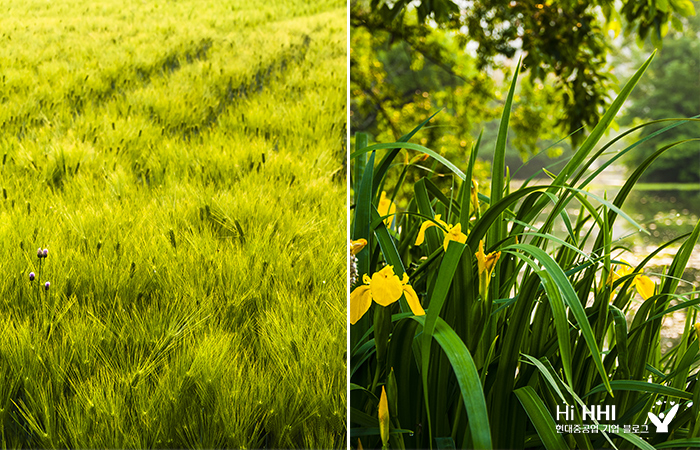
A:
384	288
386	207
453	233
356	246
485	265
642	283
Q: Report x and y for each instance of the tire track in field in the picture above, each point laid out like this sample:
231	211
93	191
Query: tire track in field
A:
230	92
139	76
226	90
112	83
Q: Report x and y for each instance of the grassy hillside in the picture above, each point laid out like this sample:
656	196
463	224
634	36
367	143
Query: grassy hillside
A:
184	166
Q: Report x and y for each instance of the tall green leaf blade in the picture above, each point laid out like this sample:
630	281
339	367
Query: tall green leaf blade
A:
444	443
601	127
448	267
363	208
547	376
541	418
561	323
550	375
424	207
620	328
465	201
468	380
631	182
623	152
492	214
641	386
412	146
680	443
386	162
684	304
404	364
360	161
635	440
362	418
576	163
572	301
680	261
499	159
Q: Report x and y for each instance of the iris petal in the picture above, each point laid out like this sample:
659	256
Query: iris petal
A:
385	286
623	270
386	208
454	234
644	286
481	258
421	233
356	246
485	266
427	224
413	301
360	301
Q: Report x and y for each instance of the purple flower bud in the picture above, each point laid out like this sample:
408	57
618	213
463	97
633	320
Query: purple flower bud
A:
47	285
39	253
31	276
45	252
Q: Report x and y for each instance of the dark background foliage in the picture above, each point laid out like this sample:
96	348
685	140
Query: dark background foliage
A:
409	59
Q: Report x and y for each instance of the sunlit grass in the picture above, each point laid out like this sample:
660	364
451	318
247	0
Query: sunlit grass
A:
185	167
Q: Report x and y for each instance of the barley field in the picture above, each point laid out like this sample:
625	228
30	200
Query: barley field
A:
184	166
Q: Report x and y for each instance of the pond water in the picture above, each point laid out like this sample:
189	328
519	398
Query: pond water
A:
664	212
